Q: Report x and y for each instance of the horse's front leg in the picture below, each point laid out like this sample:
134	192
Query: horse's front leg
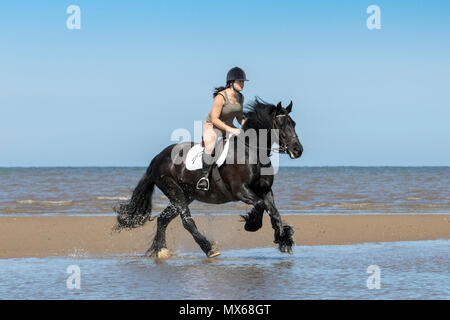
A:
253	219
283	234
245	194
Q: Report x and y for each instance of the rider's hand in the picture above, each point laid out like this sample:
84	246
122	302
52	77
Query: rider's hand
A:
235	131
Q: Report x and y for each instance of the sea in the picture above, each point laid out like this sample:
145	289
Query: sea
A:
297	191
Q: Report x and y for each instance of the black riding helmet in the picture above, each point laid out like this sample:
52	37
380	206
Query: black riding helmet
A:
236	73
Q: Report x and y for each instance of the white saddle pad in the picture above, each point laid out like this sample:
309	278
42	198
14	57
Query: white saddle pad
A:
194	155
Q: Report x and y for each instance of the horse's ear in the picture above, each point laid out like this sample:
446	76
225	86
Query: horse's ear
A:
279	107
289	107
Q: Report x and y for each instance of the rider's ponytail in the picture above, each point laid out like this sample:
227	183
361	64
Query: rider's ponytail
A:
218	89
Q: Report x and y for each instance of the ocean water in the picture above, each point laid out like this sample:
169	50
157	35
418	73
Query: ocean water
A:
301	190
402	270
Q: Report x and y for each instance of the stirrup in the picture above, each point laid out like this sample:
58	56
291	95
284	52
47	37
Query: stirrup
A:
202	188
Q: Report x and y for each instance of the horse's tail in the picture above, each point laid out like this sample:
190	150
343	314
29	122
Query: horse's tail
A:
137	210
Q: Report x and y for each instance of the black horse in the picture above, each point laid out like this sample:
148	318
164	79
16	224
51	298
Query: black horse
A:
241	180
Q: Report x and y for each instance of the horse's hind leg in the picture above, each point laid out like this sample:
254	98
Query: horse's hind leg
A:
189	225
181	201
159	242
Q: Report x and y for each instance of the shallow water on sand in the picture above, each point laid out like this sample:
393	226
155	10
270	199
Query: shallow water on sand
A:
408	270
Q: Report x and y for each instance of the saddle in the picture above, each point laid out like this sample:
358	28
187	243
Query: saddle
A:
194	155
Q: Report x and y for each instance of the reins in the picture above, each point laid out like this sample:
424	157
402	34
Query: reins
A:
281	149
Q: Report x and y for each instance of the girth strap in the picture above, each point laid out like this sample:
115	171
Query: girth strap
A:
215	174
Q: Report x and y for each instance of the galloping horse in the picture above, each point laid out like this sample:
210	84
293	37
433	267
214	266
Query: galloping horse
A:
241	180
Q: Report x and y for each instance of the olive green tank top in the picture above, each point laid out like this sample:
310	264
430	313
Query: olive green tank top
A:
229	110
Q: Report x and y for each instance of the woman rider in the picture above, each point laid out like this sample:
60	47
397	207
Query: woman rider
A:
228	104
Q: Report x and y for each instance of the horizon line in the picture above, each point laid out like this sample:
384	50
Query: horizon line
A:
304	166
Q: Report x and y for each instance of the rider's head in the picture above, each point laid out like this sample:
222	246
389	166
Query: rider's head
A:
235	78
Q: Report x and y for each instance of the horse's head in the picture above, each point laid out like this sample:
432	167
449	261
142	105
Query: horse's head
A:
288	139
263	115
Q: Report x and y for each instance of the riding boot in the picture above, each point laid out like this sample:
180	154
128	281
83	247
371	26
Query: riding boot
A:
207	164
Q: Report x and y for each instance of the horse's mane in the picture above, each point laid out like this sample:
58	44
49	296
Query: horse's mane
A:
258	115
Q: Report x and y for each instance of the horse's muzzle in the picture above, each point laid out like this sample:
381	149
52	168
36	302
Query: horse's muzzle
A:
295	152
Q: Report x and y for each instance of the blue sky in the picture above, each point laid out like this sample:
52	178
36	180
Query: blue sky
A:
111	93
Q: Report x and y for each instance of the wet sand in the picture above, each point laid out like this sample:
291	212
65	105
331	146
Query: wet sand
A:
45	236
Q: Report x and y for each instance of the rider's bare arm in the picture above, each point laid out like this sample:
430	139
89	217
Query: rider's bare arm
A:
240	117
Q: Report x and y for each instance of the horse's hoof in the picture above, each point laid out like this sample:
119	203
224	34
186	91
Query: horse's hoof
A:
213	254
286	249
251	224
251	227
164	253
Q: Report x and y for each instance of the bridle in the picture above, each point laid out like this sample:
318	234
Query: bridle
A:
282	149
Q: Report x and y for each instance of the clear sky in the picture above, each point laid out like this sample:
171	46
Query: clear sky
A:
111	93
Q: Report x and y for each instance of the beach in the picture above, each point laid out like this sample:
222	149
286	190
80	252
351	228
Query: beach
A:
54	220
45	236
